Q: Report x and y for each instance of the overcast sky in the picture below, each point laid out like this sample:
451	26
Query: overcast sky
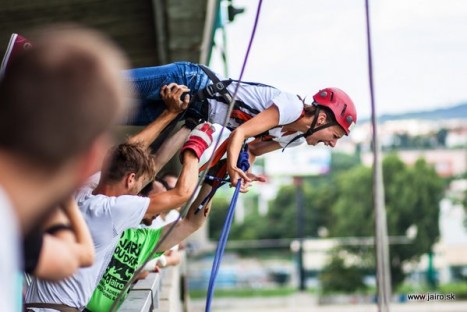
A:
419	50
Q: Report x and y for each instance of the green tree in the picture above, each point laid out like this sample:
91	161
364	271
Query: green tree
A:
412	196
336	276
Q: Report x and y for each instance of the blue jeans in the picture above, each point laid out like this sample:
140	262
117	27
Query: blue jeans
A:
147	83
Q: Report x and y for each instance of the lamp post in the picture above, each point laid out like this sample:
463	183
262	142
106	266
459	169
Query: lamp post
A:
298	182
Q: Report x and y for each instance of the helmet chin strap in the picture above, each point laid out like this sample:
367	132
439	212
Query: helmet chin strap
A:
312	129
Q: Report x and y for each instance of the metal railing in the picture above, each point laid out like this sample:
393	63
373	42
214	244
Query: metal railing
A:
161	292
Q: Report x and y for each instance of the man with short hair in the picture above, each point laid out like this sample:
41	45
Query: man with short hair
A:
58	101
110	203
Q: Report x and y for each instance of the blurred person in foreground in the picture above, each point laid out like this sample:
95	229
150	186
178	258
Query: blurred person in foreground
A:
58	101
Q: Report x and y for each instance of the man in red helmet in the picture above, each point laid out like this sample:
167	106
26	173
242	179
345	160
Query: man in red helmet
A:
275	118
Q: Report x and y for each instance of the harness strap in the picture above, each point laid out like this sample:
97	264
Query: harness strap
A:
216	87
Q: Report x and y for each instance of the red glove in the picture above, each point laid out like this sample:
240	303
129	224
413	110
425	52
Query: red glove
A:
199	140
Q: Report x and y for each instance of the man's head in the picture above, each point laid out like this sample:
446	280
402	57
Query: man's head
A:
58	100
130	166
60	95
333	114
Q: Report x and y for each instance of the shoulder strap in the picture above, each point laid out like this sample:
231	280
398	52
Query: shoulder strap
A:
217	86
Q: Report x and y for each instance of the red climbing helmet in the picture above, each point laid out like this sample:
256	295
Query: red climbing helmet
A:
340	104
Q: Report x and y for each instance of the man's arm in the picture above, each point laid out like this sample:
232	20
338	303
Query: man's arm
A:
169	147
188	225
171	95
199	140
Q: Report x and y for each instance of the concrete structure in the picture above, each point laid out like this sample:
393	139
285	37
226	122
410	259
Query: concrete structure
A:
151	32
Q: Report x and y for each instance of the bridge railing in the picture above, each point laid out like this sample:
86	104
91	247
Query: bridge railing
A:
159	292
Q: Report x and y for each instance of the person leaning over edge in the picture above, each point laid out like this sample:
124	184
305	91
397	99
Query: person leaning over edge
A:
49	145
110	203
275	118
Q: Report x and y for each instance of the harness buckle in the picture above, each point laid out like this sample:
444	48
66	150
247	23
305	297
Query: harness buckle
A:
218	88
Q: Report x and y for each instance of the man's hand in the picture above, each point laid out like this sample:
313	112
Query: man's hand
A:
172	96
199	140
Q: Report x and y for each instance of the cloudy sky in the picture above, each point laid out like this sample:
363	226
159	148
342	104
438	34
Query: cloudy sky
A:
419	50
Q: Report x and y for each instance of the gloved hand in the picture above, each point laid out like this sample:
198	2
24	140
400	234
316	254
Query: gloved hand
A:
199	140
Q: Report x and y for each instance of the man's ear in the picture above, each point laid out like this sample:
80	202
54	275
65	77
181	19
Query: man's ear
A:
130	180
322	116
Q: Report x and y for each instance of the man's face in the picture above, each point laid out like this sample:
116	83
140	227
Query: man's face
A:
328	136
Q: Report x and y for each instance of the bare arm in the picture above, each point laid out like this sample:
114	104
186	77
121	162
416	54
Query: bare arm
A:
181	192
84	246
188	225
170	146
63	252
258	148
171	95
56	262
264	121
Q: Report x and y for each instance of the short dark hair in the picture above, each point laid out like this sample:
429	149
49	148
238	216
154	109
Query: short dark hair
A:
60	95
127	158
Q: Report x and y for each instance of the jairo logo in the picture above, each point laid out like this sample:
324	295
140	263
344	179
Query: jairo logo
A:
431	297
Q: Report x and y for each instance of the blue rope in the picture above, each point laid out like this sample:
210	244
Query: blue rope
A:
243	164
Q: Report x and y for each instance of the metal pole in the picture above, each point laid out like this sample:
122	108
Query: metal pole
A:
298	181
383	274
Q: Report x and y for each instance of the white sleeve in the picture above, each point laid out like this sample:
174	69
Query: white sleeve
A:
290	107
127	211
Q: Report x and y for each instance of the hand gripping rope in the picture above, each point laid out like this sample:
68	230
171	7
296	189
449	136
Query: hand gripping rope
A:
244	165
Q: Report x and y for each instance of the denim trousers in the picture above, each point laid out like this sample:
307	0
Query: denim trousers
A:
148	81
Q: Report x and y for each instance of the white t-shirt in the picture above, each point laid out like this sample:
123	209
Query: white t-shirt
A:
255	99
107	218
11	258
169	218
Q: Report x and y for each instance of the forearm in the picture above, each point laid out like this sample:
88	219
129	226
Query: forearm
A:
52	267
236	139
154	129
182	191
190	224
84	246
196	220
188	177
170	146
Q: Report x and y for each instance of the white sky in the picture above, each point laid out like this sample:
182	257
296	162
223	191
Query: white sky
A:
419	50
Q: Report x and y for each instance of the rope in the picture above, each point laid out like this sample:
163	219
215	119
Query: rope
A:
383	274
244	165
